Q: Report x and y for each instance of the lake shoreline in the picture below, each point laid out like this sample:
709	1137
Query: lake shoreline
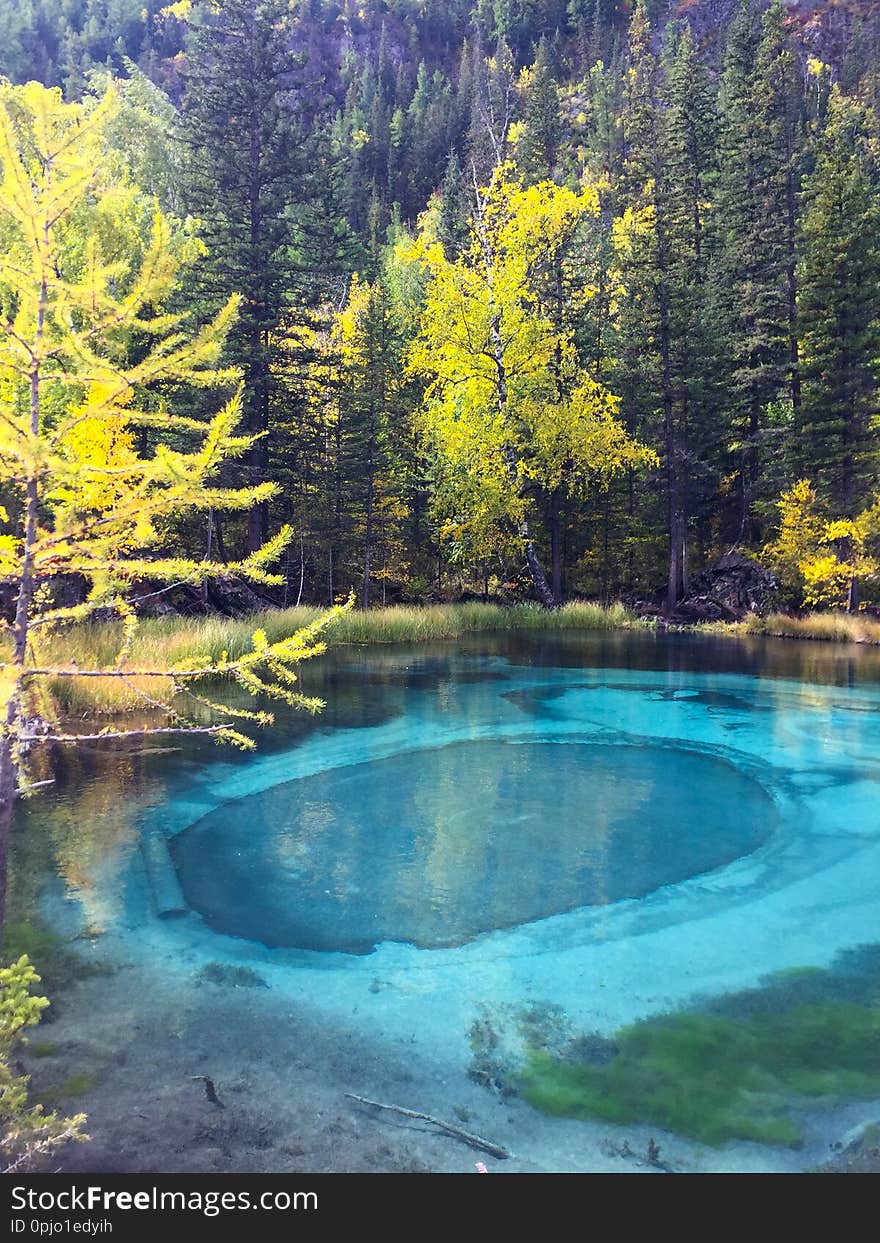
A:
162	644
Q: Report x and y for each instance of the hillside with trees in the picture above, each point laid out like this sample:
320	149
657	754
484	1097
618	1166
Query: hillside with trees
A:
539	298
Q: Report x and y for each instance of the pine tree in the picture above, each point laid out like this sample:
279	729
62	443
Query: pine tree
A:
538	147
688	139
646	248
756	213
603	130
455	209
370	346
243	167
840	310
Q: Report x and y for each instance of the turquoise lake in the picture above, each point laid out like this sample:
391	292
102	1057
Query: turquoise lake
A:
594	829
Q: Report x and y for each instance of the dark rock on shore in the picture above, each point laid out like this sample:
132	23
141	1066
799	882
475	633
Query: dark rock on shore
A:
729	590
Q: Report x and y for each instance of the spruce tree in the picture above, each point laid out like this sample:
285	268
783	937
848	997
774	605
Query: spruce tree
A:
371	353
646	312
243	166
687	148
840	311
538	149
756	211
455	209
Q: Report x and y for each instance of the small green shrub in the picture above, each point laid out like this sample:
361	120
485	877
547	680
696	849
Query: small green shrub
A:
27	1133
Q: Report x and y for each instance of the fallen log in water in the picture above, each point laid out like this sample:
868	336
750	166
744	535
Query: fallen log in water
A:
162	876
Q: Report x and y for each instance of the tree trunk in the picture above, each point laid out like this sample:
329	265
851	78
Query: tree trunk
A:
10	741
606	539
258	517
539	579
8	795
852	602
791	282
221	545
302	570
542	587
556	545
208	552
675	582
368	534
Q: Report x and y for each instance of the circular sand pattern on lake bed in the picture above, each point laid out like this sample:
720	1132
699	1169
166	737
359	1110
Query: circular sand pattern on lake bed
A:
437	846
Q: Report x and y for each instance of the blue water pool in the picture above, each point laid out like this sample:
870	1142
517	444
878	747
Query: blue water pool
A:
493	847
436	846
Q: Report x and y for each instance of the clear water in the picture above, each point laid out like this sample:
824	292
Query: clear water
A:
593	829
441	845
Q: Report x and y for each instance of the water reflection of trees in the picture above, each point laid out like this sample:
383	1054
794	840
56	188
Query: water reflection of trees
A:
86	829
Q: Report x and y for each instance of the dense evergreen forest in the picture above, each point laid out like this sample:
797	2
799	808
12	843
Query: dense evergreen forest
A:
538	297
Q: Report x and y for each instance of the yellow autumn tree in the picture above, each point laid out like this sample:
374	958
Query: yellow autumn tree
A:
509	414
90	357
820	560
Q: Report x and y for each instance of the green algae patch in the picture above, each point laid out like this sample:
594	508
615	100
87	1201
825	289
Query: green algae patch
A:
79	1084
41	1048
715	1078
229	975
30	937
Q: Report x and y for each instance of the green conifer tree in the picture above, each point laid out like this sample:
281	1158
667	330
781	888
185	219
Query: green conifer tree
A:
243	162
756	213
840	310
646	250
538	148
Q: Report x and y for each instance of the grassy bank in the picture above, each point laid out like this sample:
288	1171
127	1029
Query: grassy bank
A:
186	642
163	643
828	627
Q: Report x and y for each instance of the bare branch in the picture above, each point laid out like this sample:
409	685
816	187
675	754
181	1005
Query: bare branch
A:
110	735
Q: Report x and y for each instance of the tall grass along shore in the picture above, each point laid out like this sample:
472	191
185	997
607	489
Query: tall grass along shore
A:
185	642
169	642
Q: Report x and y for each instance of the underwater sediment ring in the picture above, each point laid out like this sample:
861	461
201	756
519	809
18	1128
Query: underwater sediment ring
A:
727	878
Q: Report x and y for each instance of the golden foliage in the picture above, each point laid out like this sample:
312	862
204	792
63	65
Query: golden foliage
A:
822	559
27	1133
89	351
507	408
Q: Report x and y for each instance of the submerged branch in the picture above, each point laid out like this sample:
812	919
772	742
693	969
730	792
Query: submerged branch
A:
475	1141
